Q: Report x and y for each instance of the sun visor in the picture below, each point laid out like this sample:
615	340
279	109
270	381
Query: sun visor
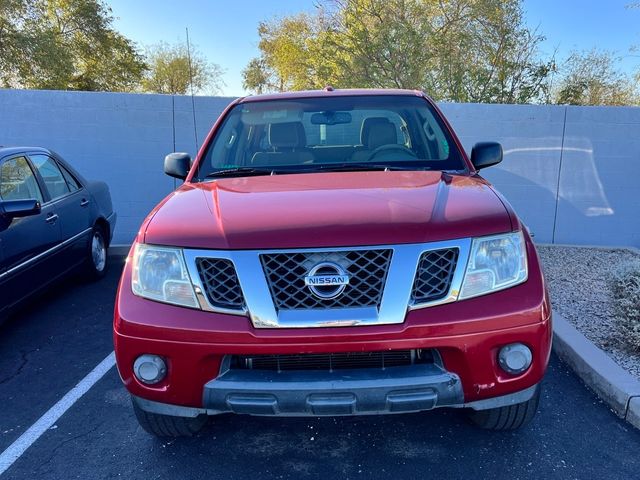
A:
258	116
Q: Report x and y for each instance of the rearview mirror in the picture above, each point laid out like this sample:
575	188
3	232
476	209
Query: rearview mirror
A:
330	118
19	208
177	165
486	154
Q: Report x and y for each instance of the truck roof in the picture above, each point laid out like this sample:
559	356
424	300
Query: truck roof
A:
330	92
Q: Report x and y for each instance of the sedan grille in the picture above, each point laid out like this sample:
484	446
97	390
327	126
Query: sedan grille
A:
367	270
333	361
434	275
220	283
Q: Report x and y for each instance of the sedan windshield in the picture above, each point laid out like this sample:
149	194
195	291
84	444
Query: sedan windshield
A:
324	134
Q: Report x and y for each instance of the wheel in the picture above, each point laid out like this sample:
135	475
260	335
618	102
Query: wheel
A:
510	417
95	266
168	425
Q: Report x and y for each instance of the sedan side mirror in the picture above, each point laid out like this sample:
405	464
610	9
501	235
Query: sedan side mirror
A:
486	154
19	208
177	165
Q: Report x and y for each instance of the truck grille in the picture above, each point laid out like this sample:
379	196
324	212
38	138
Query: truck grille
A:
220	283
434	275
332	361
285	274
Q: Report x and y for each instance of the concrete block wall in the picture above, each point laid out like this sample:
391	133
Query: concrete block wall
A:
531	138
116	137
570	172
599	188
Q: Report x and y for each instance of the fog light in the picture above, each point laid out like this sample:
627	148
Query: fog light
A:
515	358
149	369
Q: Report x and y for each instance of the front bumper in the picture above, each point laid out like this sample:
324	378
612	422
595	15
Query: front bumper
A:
346	392
470	359
467	335
350	392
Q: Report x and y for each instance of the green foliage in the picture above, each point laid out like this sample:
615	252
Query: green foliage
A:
65	45
169	71
591	78
626	290
289	56
257	77
458	50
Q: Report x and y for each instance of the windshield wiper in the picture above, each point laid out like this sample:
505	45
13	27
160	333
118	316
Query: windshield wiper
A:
241	172
356	167
327	167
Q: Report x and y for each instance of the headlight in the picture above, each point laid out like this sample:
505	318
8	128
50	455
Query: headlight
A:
159	273
495	263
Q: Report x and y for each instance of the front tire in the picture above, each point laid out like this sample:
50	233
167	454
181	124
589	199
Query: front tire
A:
511	417
168	425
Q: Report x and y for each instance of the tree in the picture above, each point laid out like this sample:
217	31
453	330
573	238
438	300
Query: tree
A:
257	76
459	50
591	78
170	71
13	39
286	61
65	45
382	44
486	53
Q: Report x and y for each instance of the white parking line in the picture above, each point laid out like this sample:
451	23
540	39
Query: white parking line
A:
46	421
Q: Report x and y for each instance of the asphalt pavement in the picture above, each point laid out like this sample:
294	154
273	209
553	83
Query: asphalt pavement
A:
50	345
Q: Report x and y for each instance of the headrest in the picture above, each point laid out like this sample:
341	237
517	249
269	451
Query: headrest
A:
287	135
378	131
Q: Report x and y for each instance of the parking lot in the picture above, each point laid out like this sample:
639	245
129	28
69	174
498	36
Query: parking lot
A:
49	346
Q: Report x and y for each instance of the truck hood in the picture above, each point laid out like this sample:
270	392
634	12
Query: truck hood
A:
330	209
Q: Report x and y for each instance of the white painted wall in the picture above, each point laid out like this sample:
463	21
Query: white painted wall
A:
570	172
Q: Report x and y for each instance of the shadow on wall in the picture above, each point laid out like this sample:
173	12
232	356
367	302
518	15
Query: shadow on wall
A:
539	182
580	183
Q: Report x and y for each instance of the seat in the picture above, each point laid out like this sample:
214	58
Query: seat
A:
375	132
289	142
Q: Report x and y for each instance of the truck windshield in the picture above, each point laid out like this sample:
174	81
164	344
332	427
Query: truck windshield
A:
309	134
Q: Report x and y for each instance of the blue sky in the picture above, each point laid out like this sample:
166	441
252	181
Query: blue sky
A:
226	31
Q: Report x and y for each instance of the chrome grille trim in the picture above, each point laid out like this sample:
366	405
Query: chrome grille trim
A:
396	298
285	274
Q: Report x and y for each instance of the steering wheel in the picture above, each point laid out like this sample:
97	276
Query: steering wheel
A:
383	149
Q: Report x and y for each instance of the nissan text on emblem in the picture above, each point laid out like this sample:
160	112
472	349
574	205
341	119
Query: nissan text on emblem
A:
327	280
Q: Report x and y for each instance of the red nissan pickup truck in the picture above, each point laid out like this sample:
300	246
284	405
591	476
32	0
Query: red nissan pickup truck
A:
332	253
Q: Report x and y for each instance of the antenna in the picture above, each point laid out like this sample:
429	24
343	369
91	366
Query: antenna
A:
193	102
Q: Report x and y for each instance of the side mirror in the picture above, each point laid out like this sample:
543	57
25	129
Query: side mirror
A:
486	154
19	208
177	165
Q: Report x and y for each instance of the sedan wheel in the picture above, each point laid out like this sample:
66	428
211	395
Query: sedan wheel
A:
98	251
96	260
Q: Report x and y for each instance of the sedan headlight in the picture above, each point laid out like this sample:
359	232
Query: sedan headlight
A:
495	263
159	273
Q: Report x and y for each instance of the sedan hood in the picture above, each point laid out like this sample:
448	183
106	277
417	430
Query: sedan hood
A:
328	209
